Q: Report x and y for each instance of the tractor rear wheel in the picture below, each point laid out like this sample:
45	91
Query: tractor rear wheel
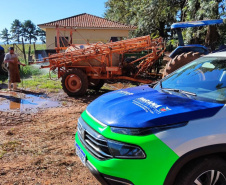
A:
179	61
74	82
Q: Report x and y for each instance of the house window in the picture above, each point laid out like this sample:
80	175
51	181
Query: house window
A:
63	41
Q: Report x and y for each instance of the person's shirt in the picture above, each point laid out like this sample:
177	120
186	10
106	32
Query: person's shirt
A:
9	56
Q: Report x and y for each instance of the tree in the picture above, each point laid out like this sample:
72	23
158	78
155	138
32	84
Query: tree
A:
179	5
158	15
154	16
5	35
16	30
200	10
222	9
42	35
203	9
150	16
29	31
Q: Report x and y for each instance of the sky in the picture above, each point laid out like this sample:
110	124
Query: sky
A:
43	11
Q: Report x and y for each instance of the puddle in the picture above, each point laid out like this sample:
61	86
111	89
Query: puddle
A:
25	102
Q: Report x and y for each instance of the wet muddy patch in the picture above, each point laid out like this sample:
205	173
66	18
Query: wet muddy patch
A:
25	102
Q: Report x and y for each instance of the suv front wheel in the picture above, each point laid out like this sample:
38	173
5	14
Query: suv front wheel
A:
207	171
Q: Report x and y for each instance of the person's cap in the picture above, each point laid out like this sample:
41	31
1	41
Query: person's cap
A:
11	48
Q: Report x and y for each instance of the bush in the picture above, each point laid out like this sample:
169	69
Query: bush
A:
28	71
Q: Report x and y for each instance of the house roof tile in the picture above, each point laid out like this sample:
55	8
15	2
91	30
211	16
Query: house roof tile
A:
87	21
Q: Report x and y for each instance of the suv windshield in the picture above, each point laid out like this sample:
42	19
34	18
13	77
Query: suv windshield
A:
204	79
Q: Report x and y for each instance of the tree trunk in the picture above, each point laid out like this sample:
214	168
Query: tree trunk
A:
182	13
162	29
30	39
212	37
18	38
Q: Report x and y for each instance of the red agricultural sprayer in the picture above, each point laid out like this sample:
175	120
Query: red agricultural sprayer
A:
87	66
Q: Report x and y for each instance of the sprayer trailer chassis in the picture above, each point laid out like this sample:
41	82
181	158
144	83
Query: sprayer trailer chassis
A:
88	67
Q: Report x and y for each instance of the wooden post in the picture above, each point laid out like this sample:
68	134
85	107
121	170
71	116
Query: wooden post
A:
34	47
71	35
29	54
24	51
58	39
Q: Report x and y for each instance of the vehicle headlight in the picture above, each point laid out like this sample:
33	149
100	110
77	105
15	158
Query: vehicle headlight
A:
123	150
145	131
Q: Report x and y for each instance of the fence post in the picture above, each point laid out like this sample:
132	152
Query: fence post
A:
34	46
24	51
29	54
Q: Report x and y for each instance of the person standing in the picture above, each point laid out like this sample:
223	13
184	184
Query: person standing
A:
12	61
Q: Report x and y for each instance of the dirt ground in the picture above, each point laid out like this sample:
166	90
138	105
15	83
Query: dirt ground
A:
38	148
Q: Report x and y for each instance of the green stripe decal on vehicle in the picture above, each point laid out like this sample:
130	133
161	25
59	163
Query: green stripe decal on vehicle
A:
151	170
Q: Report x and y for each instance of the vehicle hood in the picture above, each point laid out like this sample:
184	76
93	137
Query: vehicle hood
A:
143	107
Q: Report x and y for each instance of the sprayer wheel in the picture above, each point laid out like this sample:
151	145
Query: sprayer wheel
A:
96	84
74	82
179	61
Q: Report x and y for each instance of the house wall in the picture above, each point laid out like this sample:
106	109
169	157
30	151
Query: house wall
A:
80	35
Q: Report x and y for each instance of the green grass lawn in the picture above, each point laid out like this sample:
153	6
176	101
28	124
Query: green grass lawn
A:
26	46
41	82
33	78
18	48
